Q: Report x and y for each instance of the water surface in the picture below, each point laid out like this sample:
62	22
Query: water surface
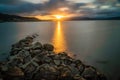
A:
94	42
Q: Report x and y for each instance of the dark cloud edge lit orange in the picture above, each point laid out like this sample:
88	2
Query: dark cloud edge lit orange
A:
93	8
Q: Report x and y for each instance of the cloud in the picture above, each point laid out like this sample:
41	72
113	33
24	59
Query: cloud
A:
43	8
9	1
81	1
21	8
36	1
47	7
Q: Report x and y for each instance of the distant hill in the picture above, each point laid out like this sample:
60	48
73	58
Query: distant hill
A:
93	18
15	18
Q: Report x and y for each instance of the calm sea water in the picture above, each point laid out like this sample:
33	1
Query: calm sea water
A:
96	43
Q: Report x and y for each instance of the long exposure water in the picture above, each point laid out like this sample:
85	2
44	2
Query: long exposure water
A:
96	43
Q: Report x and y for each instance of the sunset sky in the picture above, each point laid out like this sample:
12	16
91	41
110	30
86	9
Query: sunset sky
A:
90	8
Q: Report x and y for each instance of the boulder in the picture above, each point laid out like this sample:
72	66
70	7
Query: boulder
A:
15	71
46	72
29	70
90	73
48	47
37	46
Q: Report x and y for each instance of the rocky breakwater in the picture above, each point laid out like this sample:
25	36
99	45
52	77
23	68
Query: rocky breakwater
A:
31	60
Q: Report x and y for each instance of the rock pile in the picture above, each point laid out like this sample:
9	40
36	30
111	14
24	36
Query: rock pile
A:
34	61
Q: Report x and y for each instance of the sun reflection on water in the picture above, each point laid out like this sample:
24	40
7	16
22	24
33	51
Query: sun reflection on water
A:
58	39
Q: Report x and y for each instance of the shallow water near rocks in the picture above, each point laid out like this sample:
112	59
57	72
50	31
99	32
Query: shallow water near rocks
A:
94	42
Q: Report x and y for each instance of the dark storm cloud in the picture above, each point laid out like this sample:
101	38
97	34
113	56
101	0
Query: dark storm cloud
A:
9	1
52	5
22	7
42	8
118	1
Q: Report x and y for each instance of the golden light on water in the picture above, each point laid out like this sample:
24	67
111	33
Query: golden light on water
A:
58	39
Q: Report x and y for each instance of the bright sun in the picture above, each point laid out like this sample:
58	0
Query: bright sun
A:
58	17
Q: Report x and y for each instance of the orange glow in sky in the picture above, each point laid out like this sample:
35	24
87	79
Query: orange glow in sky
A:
58	16
50	17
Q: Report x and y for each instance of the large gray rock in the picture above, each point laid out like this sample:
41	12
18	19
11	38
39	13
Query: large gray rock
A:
90	73
37	45
15	71
29	70
46	72
48	47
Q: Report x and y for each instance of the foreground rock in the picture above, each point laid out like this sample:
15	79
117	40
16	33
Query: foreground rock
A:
34	61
